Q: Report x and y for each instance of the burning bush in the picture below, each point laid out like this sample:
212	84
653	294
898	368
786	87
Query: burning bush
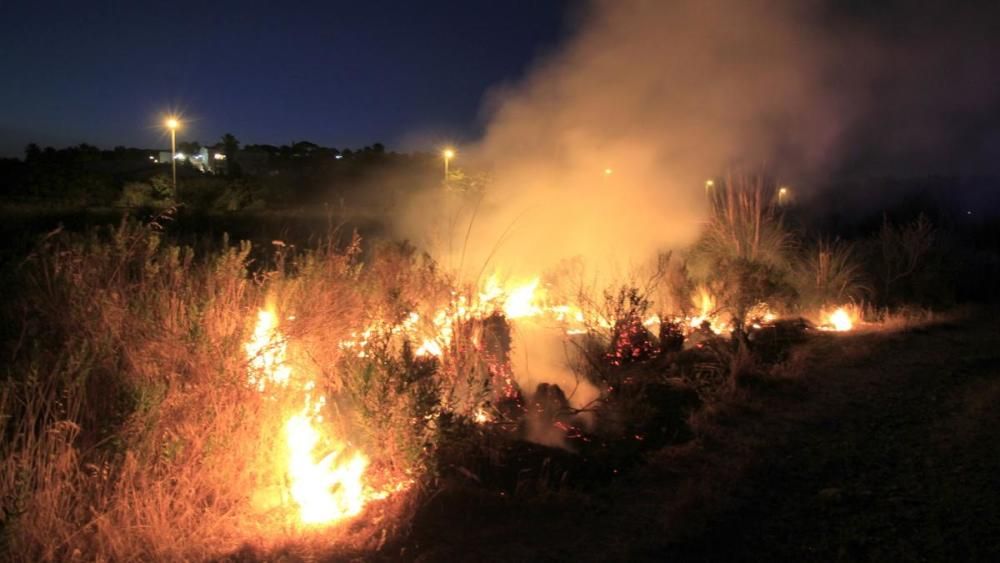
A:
141	420
744	252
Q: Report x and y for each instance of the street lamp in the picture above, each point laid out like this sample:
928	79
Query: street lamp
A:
448	154
782	195
173	124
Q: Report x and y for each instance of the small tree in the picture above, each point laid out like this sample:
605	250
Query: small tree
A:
231	146
901	250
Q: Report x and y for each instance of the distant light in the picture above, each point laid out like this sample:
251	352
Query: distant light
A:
709	183
448	154
339	156
152	158
968	212
172	123
608	171
219	156
179	156
783	191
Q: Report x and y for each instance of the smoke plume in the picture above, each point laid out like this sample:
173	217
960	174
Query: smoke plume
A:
603	150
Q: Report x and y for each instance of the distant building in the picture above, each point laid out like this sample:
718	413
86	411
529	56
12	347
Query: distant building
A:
208	160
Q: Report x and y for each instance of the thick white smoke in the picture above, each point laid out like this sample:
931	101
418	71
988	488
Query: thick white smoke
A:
603	150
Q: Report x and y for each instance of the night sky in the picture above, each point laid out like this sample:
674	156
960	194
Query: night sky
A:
418	74
407	74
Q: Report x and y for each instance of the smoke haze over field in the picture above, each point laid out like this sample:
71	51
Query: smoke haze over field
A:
602	152
667	94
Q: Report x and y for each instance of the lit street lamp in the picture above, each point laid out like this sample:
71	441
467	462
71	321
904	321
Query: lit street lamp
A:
709	184
782	195
173	124
448	154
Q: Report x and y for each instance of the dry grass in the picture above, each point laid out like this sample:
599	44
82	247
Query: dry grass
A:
830	274
130	432
745	223
744	254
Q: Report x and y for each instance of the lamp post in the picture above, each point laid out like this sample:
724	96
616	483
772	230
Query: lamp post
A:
172	124
448	154
782	196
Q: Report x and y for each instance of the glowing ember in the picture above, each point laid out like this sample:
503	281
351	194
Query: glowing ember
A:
481	416
326	489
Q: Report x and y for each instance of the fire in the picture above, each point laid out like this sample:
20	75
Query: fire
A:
705	303
429	347
266	352
840	320
330	489
481	416
326	489
520	301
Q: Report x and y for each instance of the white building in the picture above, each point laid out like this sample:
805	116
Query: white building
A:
208	160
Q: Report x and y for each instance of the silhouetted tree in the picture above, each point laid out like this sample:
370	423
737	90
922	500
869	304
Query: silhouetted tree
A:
189	147
230	147
32	152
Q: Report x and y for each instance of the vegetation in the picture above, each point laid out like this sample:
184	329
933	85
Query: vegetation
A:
130	429
250	177
134	428
829	273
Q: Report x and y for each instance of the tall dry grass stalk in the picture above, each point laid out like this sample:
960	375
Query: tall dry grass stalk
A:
744	254
830	274
745	222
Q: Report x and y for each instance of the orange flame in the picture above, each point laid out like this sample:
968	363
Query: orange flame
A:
327	489
840	320
330	489
520	301
705	302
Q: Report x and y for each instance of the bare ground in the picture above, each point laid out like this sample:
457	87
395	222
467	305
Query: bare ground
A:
870	446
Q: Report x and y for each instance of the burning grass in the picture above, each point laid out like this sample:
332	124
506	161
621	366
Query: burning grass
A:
156	408
163	404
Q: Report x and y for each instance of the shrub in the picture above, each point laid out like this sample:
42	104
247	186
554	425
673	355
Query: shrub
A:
830	274
136	194
900	252
744	252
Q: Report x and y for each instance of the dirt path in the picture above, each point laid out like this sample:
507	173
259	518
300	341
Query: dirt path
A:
872	447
